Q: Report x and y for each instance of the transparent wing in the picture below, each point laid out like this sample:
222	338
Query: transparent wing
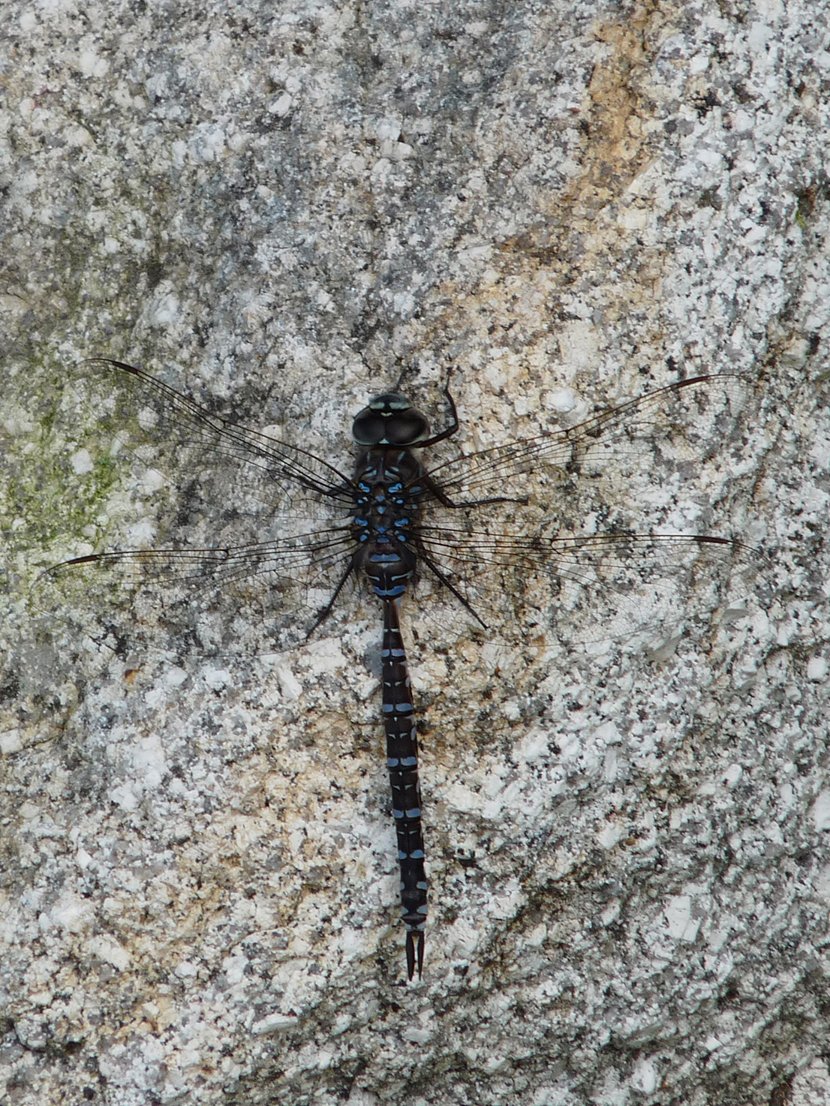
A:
114	410
594	587
250	599
253	581
623	434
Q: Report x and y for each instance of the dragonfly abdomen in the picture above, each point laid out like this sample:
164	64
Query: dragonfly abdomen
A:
402	761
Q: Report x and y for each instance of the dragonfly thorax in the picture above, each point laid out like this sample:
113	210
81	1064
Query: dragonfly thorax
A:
390	419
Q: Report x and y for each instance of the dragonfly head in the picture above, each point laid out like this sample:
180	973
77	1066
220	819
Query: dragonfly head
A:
391	420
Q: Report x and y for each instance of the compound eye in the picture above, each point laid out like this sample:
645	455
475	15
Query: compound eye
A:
368	427
406	427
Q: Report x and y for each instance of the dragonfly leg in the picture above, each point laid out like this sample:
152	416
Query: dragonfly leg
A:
442	578
326	611
445	500
448	432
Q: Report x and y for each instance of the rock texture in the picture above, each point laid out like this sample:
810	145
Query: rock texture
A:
284	207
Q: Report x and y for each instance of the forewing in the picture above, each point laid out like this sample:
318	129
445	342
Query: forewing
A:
622	436
120	415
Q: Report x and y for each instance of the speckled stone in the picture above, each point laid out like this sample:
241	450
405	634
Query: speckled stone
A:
283	209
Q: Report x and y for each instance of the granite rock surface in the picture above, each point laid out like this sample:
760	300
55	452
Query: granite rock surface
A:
282	209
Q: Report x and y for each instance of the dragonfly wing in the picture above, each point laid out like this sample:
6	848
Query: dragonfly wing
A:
622	435
595	587
248	599
118	415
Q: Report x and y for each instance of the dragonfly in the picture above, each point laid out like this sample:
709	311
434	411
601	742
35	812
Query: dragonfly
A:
295	529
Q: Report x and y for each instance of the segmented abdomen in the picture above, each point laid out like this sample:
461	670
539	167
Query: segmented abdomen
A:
402	761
